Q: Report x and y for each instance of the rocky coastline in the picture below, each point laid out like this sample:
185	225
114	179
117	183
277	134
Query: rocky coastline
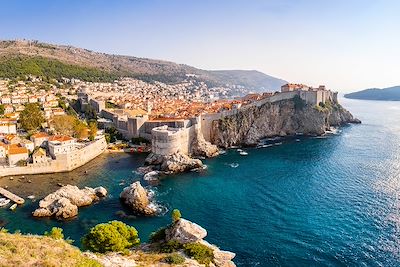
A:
282	118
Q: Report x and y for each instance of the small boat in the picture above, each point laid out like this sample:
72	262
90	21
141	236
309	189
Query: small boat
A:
4	202
297	140
13	206
30	197
278	144
221	152
234	165
243	153
239	150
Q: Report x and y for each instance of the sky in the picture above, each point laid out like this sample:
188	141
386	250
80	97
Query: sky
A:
345	44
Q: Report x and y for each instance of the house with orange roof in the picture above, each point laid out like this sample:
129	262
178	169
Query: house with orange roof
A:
16	153
39	139
11	139
60	144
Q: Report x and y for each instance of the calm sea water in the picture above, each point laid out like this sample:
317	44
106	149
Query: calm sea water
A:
317	202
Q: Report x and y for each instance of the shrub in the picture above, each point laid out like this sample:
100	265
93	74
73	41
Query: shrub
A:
174	258
158	235
112	236
55	233
176	215
170	246
199	252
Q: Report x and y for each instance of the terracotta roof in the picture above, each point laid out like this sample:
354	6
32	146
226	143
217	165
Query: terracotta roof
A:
9	137
60	138
40	135
16	149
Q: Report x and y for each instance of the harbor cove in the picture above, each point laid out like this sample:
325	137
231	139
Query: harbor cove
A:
303	201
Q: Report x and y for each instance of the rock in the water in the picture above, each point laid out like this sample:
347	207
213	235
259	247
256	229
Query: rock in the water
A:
100	191
200	147
174	163
65	201
138	199
185	231
151	176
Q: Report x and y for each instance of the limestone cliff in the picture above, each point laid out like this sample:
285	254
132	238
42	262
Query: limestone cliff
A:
282	118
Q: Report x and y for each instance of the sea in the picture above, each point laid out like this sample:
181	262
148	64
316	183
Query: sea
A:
331	201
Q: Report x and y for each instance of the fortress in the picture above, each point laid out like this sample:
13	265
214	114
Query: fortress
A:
176	135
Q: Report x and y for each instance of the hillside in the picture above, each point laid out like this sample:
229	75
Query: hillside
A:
31	250
386	94
107	65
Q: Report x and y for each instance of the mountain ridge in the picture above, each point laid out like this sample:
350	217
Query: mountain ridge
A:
141	68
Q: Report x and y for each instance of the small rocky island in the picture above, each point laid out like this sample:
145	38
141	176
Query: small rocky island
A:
64	203
138	199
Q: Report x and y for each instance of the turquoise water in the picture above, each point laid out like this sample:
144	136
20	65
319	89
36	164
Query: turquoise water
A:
329	202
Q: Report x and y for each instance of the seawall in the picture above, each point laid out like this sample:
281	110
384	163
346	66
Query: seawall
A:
63	163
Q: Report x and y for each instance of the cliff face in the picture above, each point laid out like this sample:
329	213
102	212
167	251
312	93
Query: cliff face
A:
286	117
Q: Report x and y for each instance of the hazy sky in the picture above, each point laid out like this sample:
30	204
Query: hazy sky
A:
345	44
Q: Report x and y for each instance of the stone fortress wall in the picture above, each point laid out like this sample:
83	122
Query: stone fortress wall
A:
62	163
170	136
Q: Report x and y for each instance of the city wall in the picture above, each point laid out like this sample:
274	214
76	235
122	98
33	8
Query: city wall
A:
63	163
166	140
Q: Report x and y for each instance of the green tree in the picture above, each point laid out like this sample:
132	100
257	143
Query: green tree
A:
92	130
2	109
56	233
176	215
112	236
31	117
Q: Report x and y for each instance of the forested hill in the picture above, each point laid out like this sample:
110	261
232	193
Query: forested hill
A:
22	57
388	94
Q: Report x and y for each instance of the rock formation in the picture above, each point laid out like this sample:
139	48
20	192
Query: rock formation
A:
173	163
185	232
65	201
201	147
138	199
286	117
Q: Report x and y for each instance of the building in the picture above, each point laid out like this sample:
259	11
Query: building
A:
289	87
39	156
39	139
10	139
16	153
60	144
27	144
3	152
8	126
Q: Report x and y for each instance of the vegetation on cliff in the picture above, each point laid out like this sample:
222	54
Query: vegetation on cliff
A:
20	66
386	94
33	250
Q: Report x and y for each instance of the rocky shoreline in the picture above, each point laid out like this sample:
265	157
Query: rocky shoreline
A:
282	118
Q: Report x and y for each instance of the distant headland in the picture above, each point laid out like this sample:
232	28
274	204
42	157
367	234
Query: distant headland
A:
384	94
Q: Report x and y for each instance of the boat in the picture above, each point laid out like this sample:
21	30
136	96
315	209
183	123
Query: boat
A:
234	165
221	152
239	150
297	140
243	153
4	202
278	144
13	206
